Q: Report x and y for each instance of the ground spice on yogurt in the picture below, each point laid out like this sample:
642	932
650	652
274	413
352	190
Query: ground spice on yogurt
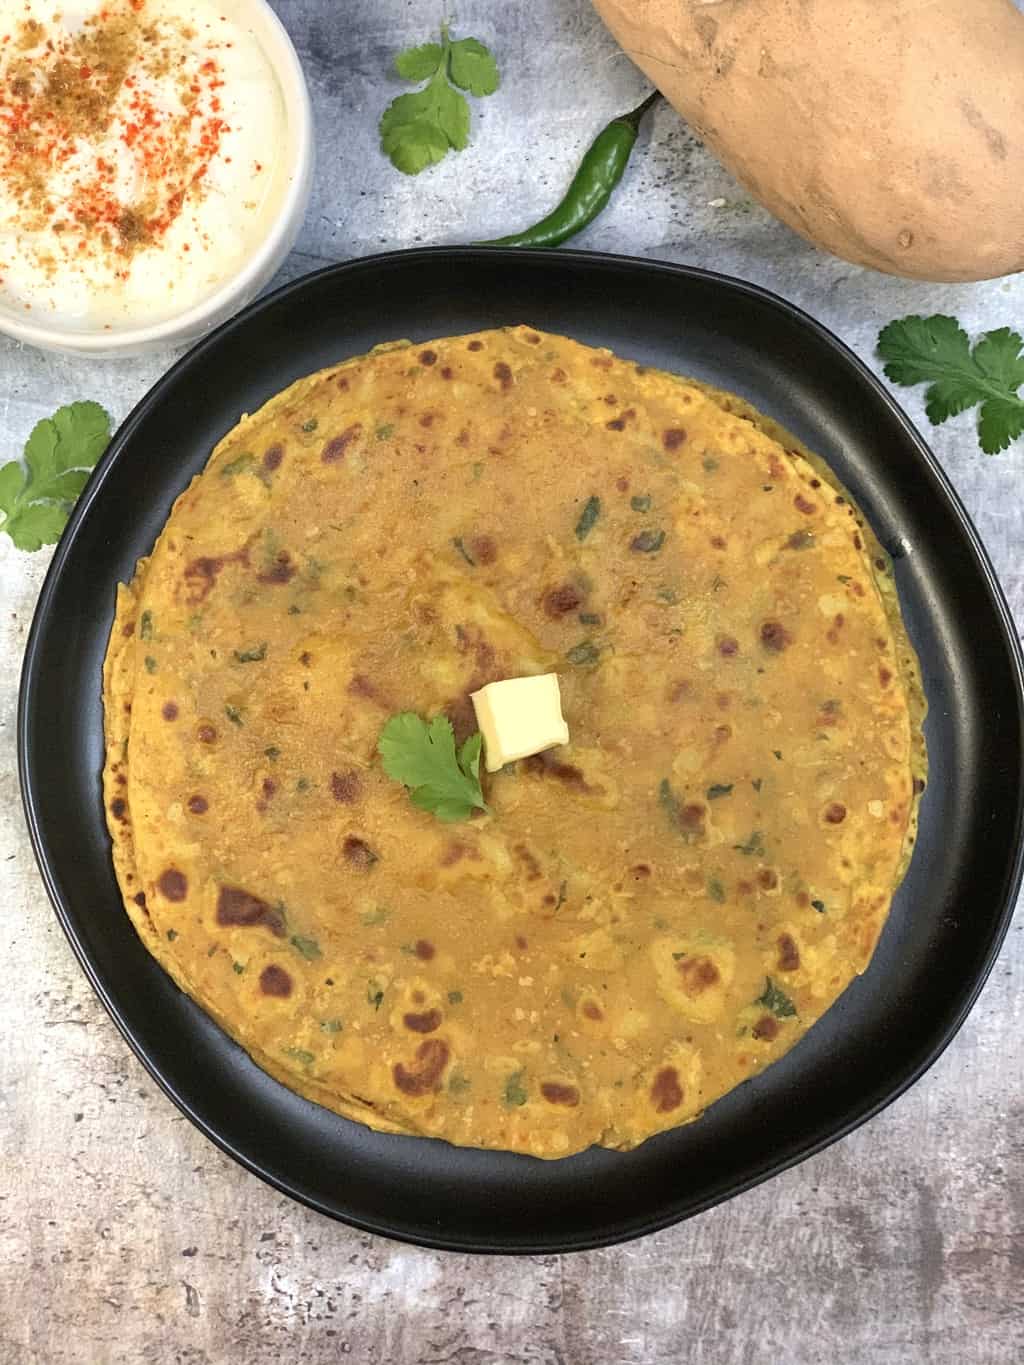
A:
106	130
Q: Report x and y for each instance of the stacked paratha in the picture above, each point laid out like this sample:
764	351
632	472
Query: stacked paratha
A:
644	918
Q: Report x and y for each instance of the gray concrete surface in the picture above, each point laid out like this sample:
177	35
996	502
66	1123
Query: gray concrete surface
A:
126	1237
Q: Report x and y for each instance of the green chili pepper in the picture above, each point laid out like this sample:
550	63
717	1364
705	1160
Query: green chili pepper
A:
600	171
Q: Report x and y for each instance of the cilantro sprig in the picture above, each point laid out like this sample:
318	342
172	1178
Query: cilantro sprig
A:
35	499
418	129
422	756
937	351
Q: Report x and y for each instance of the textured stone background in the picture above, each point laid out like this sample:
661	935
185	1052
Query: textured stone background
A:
126	1237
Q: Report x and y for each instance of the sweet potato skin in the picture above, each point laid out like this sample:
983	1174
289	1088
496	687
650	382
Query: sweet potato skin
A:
890	134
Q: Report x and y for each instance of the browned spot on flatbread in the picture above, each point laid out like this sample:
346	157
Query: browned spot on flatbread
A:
835	813
592	1010
274	980
236	906
201	574
673	437
557	1093
692	817
789	953
346	787
273	456
666	1090
281	569
619	423
484	549
118	807
334	449
775	637
766	1028
427	1021
426	1070
198	805
567	773
429	357
837	624
362	686
172	884
424	949
697	974
503	374
804	505
560	601
455	852
358	852
529	861
462	715
169	710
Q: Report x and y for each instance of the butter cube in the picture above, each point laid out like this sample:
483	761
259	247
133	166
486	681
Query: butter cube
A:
519	717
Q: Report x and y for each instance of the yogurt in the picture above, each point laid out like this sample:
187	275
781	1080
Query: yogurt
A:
143	148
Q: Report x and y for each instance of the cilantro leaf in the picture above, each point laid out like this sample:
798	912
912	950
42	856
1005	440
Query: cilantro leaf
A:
308	947
1000	421
36	524
11	479
59	454
515	1093
937	351
417	63
469	756
422	756
473	68
419	128
410	131
776	1000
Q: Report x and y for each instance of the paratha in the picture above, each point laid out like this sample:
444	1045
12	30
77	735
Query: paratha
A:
644	918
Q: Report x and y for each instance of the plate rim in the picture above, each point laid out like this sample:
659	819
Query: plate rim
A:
32	799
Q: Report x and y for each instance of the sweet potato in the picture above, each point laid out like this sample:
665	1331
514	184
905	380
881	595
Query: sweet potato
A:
890	132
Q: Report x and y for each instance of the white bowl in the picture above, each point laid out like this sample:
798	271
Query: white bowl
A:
240	288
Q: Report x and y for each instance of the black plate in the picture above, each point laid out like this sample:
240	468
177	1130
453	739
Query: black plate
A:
948	919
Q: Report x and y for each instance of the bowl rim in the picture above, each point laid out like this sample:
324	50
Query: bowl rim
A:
279	50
